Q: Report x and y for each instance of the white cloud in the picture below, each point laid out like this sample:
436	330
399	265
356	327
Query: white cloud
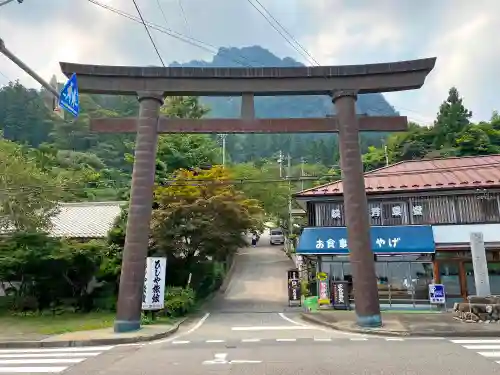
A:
461	34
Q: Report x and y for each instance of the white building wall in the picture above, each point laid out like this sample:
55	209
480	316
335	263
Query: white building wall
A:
460	234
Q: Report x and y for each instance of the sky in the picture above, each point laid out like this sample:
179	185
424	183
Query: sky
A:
462	34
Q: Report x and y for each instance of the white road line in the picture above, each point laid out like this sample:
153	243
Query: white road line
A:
359	339
312	327
40	360
241	361
39	355
489	354
269	328
475	341
191	330
394	339
180	342
282	340
320	339
61	350
33	370
250	340
212	341
283	316
482	347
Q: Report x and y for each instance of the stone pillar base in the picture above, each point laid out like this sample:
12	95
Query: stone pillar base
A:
122	326
372	321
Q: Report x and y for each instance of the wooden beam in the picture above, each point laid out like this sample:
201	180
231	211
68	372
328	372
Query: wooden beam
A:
295	125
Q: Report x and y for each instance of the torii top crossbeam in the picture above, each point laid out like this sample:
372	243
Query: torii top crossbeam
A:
321	80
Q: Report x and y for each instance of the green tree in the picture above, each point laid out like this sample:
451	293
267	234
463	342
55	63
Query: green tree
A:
50	270
452	119
28	195
263	184
200	214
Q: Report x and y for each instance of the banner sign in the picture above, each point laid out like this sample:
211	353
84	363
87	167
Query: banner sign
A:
153	295
340	295
294	291
324	294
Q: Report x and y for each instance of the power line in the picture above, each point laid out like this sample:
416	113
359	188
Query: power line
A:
162	12
172	182
174	34
279	31
286	31
246	62
147	30
184	14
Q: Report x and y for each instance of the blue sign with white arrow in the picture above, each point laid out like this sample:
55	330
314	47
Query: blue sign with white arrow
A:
69	99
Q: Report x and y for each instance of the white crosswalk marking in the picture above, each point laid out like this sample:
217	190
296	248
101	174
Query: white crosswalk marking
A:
45	360
489	348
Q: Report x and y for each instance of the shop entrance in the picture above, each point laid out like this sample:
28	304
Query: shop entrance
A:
457	275
402	280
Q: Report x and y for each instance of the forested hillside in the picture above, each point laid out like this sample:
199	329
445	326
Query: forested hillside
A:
313	147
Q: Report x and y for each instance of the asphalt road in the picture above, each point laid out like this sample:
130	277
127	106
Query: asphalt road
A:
251	330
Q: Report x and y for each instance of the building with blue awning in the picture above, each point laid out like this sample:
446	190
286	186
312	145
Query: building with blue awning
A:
422	214
413	239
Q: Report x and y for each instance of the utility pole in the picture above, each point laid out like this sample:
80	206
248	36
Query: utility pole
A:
302	161
26	68
280	162
290	217
386	154
223	137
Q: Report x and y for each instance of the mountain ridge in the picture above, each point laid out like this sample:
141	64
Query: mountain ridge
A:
277	106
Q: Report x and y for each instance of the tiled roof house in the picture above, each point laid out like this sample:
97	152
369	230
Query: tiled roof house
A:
85	219
423	175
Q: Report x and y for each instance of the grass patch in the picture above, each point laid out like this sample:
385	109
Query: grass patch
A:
47	324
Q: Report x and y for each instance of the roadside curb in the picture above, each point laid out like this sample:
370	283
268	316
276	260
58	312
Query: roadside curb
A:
228	276
381	332
90	342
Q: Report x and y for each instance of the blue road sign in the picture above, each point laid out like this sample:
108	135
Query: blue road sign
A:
437	294
69	99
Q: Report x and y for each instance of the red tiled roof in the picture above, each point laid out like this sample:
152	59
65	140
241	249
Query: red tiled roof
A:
422	175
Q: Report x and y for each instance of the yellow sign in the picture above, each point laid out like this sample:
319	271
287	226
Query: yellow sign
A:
322	276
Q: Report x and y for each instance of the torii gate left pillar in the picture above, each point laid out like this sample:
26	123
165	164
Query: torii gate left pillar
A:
128	316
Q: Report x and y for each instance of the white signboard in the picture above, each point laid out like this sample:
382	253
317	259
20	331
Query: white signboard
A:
153	294
480	264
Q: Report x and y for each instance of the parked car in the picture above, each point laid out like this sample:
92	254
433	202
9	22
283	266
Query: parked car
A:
277	237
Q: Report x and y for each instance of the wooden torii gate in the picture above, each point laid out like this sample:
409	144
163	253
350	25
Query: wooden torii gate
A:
343	83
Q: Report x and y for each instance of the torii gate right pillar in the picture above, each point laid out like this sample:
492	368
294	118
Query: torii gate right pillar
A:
356	207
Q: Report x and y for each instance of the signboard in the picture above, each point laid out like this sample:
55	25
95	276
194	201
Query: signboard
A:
324	295
409	239
69	98
436	294
340	295
294	292
153	295
480	265
322	276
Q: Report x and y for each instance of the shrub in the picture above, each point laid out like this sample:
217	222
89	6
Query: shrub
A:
179	301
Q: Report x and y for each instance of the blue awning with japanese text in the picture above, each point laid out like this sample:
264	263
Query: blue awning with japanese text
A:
411	239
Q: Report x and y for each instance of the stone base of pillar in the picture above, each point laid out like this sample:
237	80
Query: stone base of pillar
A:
122	326
372	321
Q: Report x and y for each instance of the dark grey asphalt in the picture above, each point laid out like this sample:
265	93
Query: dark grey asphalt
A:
250	330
